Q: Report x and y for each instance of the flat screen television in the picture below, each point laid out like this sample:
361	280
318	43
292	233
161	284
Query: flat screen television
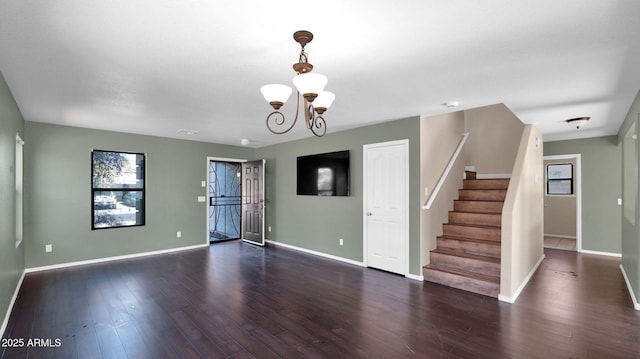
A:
324	174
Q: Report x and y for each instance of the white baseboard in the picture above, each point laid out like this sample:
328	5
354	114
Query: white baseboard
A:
5	322
325	255
514	297
609	254
330	256
415	277
636	305
115	258
559	236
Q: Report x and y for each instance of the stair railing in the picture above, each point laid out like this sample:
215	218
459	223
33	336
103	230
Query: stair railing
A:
446	171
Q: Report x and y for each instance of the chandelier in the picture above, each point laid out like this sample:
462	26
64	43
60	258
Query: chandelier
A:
309	85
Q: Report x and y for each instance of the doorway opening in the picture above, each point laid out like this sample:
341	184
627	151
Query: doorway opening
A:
225	200
563	202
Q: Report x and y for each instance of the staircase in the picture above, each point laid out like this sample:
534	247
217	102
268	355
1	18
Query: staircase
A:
467	255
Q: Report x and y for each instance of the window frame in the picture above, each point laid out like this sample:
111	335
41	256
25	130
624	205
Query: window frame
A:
140	210
560	179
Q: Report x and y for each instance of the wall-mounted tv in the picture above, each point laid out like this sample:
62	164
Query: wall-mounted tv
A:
325	174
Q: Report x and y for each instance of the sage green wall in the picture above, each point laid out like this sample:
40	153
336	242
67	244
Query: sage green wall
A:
58	202
601	167
631	232
11	258
316	223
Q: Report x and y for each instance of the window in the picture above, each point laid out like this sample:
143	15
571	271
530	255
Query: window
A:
117	190
560	179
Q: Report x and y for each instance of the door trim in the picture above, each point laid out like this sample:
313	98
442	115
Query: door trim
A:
405	144
206	207
577	157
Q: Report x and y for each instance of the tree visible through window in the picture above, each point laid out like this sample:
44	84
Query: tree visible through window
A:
117	191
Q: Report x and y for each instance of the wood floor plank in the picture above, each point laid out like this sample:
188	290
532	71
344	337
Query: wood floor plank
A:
235	300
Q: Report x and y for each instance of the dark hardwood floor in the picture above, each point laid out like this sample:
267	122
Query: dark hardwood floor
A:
235	300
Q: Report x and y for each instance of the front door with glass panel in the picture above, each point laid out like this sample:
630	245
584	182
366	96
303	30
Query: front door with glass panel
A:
236	200
224	200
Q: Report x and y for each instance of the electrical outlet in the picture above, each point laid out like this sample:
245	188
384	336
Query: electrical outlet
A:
269	228
341	242
48	248
178	234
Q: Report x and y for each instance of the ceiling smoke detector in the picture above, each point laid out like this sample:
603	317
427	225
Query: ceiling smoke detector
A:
451	104
184	131
578	121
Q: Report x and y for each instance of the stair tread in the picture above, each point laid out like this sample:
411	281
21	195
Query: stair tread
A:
477	257
483	189
472	225
463	273
477	240
476	212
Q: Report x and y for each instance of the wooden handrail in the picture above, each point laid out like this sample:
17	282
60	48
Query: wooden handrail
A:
447	169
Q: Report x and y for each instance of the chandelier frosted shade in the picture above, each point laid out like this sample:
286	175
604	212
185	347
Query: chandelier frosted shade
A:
276	93
310	84
323	101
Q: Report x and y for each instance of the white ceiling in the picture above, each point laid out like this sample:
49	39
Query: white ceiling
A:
157	66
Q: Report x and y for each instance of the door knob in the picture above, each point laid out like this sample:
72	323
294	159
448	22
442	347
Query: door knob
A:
369	214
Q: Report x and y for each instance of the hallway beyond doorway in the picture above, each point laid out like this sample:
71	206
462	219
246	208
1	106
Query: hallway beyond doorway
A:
567	244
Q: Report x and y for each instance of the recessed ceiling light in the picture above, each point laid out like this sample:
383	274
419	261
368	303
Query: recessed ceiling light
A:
245	141
183	131
578	121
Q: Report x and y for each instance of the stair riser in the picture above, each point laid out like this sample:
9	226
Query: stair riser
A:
483	219
490	234
486	184
482	195
460	282
484	249
478	206
467	264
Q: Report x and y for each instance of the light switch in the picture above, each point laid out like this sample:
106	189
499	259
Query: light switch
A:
619	201
203	184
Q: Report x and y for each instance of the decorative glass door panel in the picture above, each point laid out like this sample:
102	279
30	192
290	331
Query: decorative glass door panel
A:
225	201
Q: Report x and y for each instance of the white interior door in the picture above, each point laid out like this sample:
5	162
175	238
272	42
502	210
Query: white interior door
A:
386	224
